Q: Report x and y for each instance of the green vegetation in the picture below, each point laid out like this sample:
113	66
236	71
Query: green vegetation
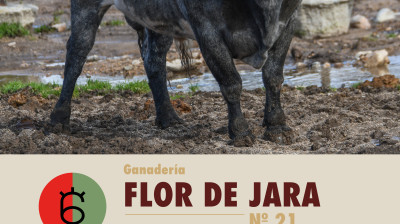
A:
38	88
136	87
392	35
58	13
113	23
398	87
46	90
177	96
12	30
333	89
371	38
194	88
300	33
44	29
301	88
95	85
356	85
56	17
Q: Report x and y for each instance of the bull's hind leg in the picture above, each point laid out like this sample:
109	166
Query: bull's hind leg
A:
220	62
154	51
274	117
85	20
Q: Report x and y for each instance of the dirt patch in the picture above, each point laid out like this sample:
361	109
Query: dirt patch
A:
386	81
346	121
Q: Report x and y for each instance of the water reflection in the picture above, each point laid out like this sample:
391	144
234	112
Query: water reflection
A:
326	77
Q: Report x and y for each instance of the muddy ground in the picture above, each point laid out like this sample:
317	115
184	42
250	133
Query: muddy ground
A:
324	121
346	121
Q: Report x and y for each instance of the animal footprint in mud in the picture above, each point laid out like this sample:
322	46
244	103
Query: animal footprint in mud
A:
25	124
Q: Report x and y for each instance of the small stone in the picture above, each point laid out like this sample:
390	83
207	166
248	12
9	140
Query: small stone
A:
316	66
12	44
93	58
24	65
362	54
196	55
338	65
300	66
179	87
136	62
326	65
360	22
128	68
61	27
175	66
384	15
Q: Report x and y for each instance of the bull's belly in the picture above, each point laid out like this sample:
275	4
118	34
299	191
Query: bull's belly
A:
243	44
160	16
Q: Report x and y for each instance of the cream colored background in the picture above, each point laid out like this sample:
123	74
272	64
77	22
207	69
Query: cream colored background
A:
352	189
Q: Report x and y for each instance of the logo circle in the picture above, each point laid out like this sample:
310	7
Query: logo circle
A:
72	198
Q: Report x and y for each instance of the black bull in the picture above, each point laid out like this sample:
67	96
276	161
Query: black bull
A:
258	32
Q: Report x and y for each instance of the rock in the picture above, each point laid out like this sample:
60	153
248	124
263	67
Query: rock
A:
297	54
18	13
387	81
136	62
61	27
24	65
93	58
17	100
128	68
373	59
316	66
179	87
326	65
361	54
324	18
384	15
338	65
176	65
360	22
12	44
300	66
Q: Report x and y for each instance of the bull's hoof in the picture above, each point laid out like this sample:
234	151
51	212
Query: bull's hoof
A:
60	115
279	134
244	140
168	120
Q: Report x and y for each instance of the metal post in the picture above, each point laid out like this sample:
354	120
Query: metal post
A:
3	3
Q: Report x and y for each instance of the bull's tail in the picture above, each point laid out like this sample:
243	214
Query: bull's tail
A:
183	48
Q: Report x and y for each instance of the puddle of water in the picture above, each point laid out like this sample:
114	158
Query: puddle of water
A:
347	76
376	142
334	77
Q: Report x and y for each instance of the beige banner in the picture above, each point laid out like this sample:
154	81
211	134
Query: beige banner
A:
351	189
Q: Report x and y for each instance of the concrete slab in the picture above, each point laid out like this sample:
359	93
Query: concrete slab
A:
18	13
324	18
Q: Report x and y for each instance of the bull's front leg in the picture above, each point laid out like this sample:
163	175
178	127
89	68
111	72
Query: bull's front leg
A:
154	50
274	117
85	20
219	60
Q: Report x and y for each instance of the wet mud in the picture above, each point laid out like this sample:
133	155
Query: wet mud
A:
350	121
